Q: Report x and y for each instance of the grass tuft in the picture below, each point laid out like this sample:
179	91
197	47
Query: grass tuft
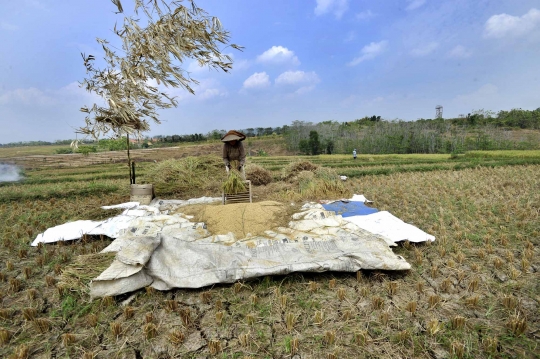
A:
116	329
68	339
5	336
215	347
516	325
176	337
150	331
129	312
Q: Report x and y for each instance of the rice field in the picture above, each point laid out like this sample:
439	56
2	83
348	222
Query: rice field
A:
473	293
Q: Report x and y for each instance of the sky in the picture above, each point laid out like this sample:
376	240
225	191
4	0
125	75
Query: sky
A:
303	60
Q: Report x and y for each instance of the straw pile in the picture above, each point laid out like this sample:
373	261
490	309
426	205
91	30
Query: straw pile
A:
77	275
187	176
321	183
294	168
258	175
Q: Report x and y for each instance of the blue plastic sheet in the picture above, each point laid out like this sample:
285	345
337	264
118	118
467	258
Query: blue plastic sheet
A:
348	209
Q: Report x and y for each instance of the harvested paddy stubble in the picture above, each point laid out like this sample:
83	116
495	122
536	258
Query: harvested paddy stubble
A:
77	275
480	216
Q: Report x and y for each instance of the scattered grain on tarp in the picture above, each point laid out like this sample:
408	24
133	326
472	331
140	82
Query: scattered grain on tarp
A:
244	218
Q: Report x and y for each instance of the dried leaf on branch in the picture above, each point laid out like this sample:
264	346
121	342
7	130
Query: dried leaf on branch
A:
153	50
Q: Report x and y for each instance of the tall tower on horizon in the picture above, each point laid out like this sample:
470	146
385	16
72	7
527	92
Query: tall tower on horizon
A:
438	111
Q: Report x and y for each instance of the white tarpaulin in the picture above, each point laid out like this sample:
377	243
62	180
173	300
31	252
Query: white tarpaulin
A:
385	224
165	250
188	256
390	227
66	232
115	226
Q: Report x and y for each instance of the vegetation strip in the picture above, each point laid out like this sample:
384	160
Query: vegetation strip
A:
95	189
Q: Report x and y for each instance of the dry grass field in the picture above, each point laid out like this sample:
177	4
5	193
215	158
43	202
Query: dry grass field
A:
473	293
34	157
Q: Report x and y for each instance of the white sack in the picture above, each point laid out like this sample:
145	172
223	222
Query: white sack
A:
360	198
122	285
138	251
181	264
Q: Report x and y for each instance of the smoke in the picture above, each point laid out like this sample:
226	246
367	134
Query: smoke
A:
9	173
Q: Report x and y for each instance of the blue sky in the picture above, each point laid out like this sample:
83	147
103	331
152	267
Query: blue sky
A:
307	60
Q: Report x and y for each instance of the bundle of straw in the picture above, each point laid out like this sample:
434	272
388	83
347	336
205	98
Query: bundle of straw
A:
234	183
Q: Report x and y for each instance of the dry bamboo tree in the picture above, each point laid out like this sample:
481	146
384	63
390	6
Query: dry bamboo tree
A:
153	51
151	55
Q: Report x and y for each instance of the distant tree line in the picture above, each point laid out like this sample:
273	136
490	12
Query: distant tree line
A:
217	134
371	134
480	130
41	143
195	137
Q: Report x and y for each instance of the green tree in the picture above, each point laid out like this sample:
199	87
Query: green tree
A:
329	146
314	143
303	146
119	144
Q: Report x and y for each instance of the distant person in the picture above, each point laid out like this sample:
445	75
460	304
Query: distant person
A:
354	153
233	150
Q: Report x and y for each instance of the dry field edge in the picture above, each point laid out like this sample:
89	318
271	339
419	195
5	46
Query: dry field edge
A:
474	293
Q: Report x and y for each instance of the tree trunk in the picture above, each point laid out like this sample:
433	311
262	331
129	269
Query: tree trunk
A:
131	179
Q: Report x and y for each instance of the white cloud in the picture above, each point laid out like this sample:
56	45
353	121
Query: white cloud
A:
240	65
365	15
278	55
26	96
33	96
257	80
369	52
304	89
415	4
459	52
297	77
337	7
7	26
210	93
305	80
424	49
209	88
205	90
350	36
195	67
503	25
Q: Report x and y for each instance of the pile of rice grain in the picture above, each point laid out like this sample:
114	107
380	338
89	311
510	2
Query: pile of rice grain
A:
244	218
